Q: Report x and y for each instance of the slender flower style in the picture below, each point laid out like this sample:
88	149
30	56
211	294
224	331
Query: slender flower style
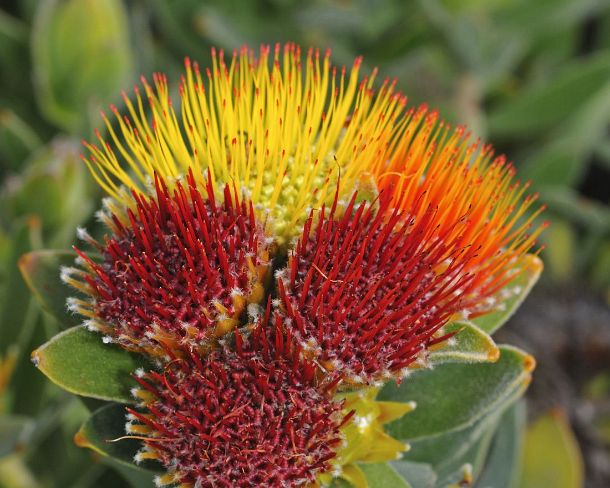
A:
363	225
177	272
248	414
475	202
282	131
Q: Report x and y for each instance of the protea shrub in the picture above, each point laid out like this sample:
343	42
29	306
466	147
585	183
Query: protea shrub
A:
297	282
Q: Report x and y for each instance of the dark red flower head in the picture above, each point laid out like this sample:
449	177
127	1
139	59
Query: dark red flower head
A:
366	292
178	270
248	414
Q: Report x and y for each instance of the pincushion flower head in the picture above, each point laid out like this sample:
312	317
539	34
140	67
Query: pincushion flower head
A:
251	413
284	236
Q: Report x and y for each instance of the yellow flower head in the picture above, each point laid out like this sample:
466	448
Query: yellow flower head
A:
282	131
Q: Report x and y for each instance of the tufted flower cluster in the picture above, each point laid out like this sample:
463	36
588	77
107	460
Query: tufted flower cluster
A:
285	235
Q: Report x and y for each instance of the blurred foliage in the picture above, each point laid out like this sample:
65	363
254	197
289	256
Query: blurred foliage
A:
531	77
550	455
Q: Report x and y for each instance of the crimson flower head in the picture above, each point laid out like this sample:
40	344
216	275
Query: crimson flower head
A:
364	297
250	413
178	270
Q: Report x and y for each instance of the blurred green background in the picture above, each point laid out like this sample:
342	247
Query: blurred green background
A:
531	77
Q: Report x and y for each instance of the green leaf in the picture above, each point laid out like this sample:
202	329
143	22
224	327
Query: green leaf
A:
551	456
340	483
452	396
580	210
73	76
54	186
517	289
469	345
463	470
79	362
564	161
441	450
419	475
17	138
104	433
135	476
381	475
560	248
557	163
502	466
456	454
14	432
541	107
16	318
41	271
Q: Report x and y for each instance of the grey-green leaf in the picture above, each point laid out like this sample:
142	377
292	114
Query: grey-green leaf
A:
453	396
418	475
15	319
502	465
79	362
104	432
540	108
67	82
470	344
382	475
513	294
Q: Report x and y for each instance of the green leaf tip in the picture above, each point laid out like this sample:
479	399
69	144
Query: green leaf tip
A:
78	361
528	270
470	344
104	433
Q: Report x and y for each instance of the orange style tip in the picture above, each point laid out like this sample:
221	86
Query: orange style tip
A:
80	440
213	51
187	62
327	52
529	362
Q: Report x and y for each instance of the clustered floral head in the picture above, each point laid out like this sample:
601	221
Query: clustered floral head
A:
285	234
